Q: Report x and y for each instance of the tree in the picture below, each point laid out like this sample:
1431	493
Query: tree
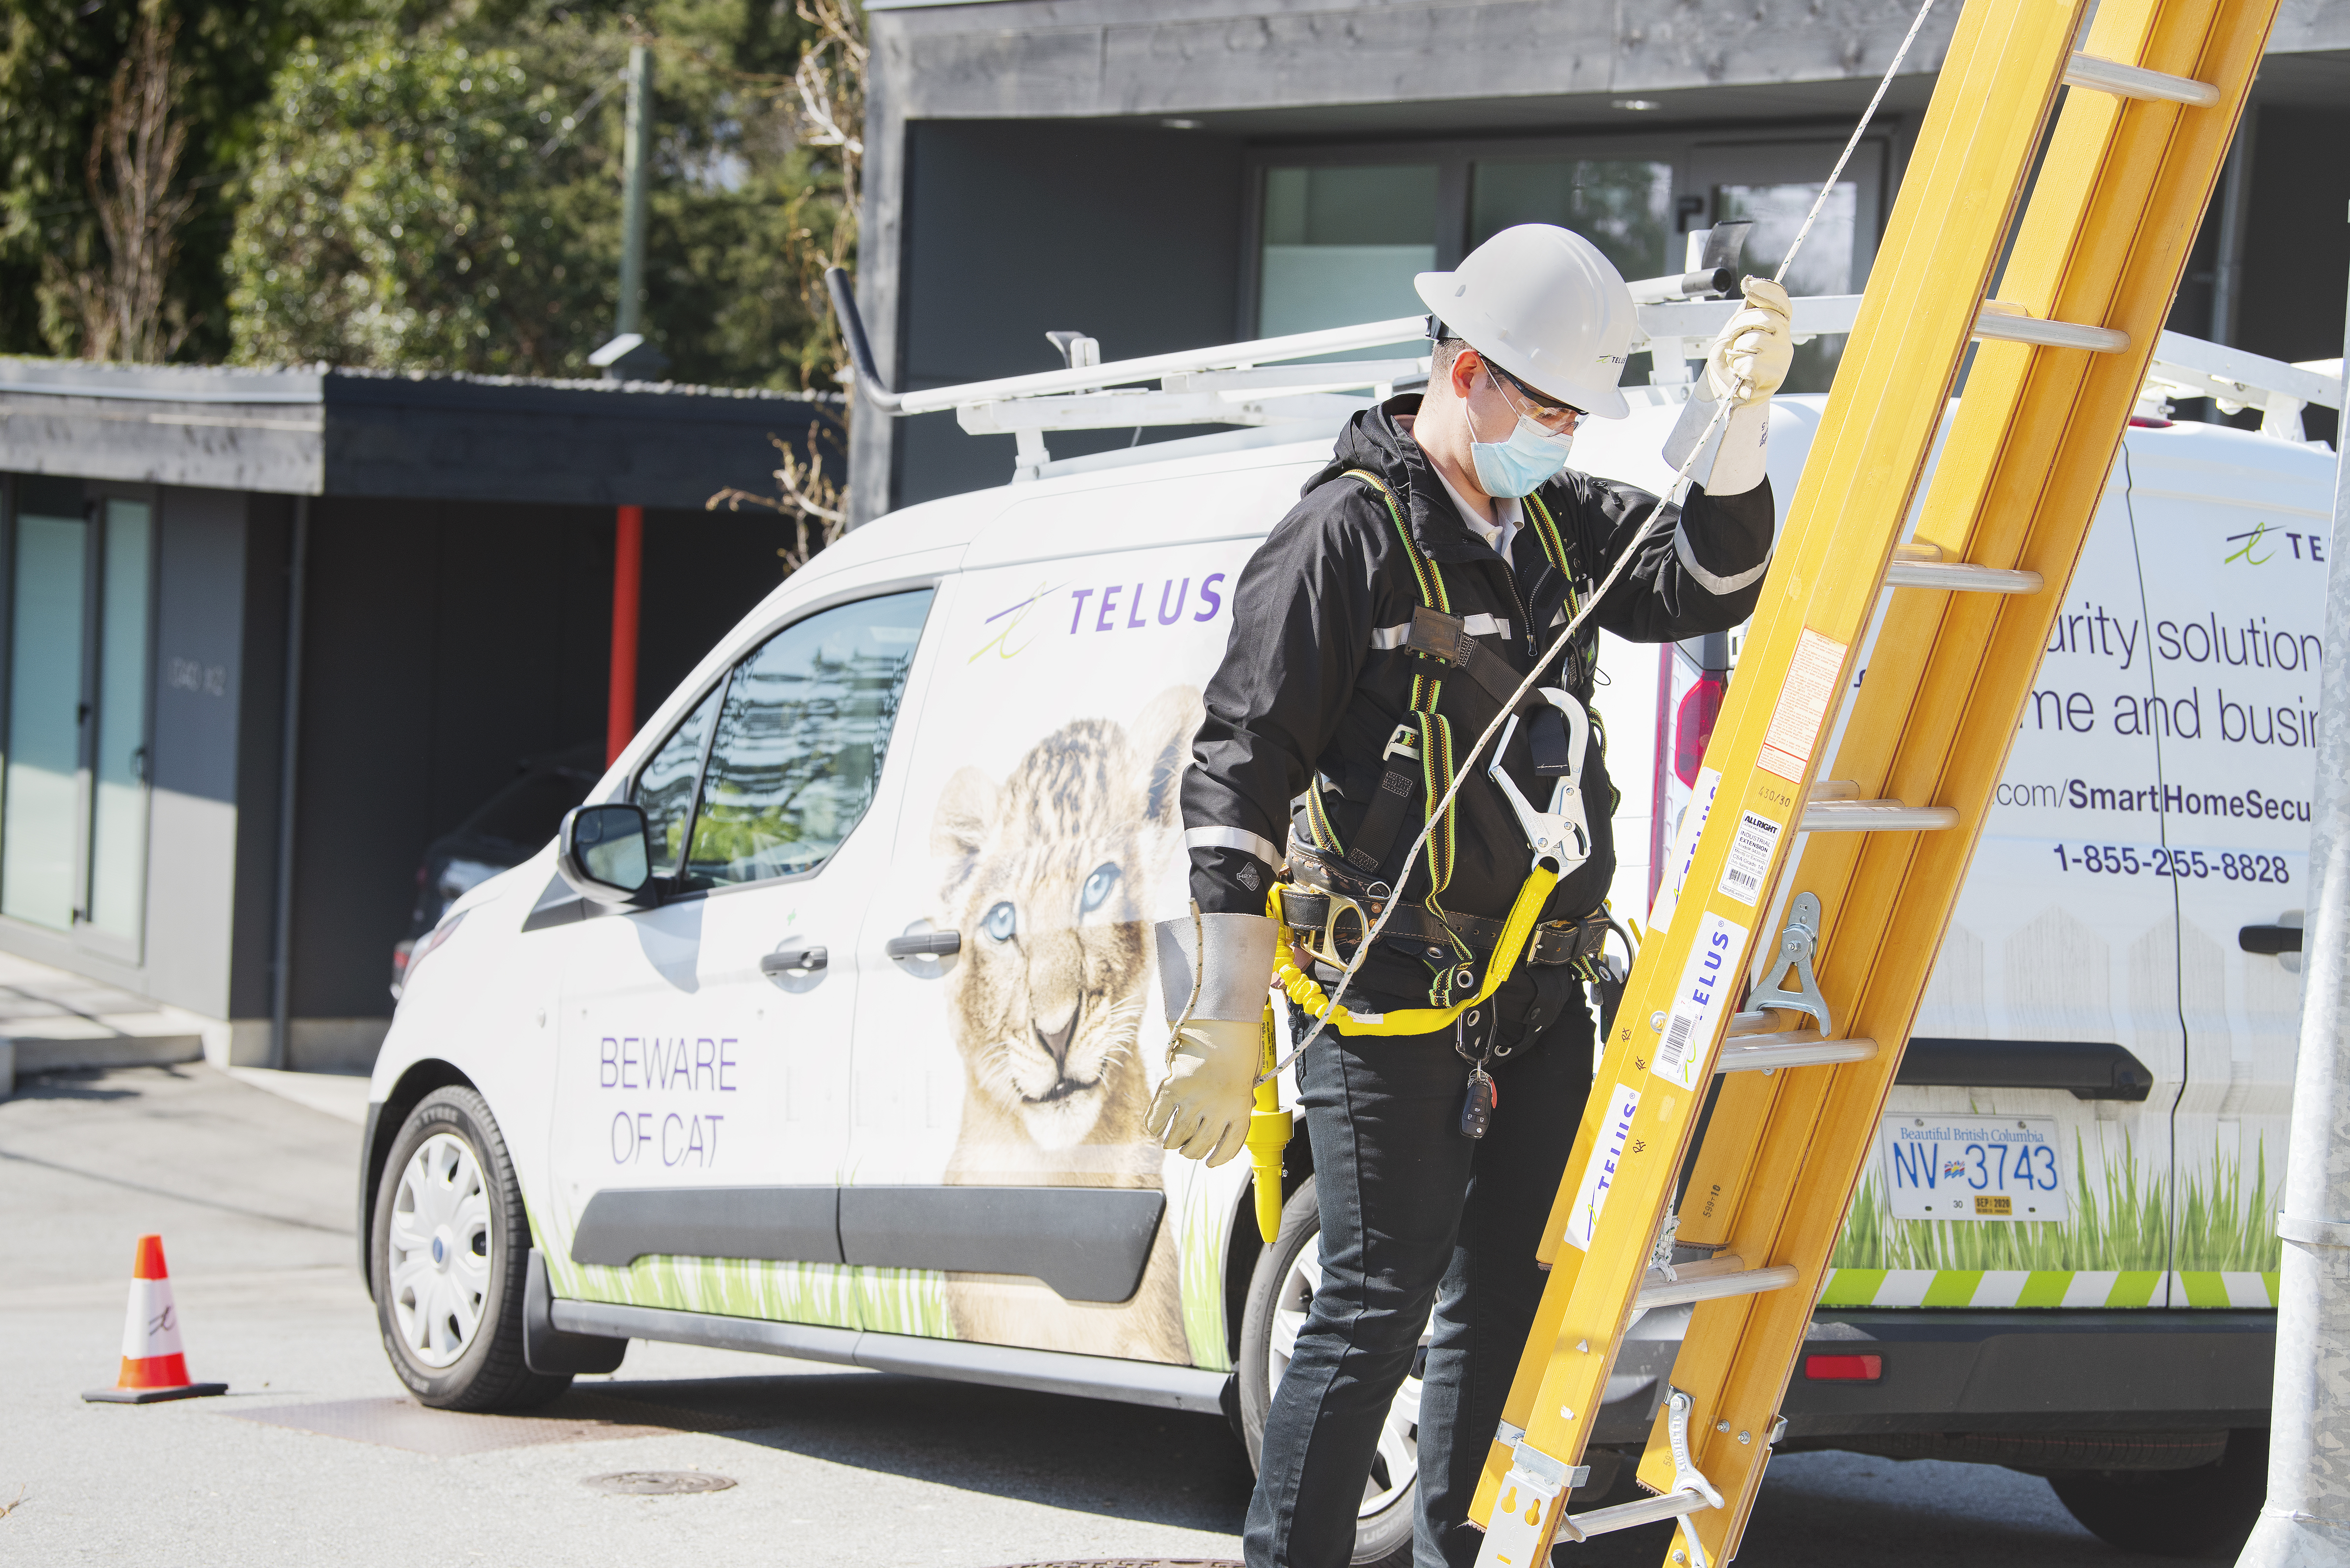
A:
126	308
373	128
415	206
57	61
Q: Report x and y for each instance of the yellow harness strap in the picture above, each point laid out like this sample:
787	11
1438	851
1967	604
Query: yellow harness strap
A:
1516	930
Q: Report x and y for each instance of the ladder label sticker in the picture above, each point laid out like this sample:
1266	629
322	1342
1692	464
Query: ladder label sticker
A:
1591	1193
1750	858
1795	723
1707	980
1684	850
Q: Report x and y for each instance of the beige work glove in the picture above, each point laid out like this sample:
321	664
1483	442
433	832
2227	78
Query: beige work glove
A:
1217	997
1202	1111
1751	357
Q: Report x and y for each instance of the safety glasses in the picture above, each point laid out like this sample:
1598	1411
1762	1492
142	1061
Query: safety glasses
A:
1559	419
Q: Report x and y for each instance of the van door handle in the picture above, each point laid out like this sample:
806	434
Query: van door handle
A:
796	959
2269	939
925	944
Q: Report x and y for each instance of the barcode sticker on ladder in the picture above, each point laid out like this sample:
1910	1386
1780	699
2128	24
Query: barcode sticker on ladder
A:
1709	979
1750	858
1803	705
1677	1030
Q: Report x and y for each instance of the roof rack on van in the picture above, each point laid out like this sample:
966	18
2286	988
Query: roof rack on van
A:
1289	380
2190	368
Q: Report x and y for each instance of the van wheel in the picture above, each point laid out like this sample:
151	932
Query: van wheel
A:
447	1255
2207	1511
1279	1291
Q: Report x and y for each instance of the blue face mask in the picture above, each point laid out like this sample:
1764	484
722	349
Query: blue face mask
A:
1523	465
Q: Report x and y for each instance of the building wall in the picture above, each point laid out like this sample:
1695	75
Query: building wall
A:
214	681
1129	234
2296	242
1020	174
448	642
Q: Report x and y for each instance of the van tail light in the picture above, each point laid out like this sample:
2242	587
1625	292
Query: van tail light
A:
2148	422
1693	726
1843	1368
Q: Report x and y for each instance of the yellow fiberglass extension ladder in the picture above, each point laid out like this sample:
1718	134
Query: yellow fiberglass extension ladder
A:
1853	924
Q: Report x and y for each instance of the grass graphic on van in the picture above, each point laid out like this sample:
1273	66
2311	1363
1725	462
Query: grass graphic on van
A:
1208	1217
2115	1226
888	1301
2221	1230
2127	1231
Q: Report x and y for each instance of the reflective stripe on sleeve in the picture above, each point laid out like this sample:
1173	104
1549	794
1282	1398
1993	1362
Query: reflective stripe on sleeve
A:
1239	838
1708	581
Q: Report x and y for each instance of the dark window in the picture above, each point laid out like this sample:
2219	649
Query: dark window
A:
665	784
799	741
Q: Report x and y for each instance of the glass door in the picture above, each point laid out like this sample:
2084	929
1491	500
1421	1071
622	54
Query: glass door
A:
1340	245
1774	183
40	839
73	777
118	808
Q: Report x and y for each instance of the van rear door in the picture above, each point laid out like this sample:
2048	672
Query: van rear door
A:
2233	531
2024	1158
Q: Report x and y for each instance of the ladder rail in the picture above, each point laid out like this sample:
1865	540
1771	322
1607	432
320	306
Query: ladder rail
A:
2029	455
1915	323
2020	477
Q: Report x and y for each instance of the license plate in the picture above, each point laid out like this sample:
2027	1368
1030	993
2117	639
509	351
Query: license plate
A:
1974	1167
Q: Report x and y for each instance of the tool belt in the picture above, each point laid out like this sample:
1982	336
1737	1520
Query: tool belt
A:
1418	928
1319	886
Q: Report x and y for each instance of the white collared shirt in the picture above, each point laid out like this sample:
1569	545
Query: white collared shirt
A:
1507	508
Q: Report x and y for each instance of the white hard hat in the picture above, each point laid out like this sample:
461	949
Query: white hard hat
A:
1542	303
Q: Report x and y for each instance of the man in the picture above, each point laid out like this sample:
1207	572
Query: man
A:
1332	693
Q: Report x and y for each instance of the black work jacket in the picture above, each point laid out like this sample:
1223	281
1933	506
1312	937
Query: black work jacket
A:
1308	686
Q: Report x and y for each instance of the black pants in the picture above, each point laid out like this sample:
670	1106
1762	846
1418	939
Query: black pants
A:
1413	1214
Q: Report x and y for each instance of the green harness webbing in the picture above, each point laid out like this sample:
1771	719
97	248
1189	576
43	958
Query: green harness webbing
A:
1426	738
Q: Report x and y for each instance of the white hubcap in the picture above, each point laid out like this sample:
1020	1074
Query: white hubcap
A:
440	1250
1396	1465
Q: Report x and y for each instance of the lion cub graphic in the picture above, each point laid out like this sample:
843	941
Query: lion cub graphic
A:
1046	875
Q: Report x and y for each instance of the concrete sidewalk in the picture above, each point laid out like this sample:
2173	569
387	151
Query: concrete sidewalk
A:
52	1020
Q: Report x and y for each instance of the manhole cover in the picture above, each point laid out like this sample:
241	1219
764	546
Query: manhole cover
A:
658	1483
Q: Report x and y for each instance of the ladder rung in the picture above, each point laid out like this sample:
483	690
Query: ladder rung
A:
1712	1281
2137	81
1876	816
1798	1048
2005	327
1960	577
1639	1512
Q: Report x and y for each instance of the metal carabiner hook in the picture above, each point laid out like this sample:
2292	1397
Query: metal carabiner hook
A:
1561	836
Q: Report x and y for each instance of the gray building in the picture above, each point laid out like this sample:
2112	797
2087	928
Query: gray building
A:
1171	173
263	635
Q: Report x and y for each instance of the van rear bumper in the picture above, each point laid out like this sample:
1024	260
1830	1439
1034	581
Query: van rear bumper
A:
2044	1371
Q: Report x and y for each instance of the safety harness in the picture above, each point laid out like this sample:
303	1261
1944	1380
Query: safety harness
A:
1331	878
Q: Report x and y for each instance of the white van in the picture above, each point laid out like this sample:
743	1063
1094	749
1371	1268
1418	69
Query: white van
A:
860	1075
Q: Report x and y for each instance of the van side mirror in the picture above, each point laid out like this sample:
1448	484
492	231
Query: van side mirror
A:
604	853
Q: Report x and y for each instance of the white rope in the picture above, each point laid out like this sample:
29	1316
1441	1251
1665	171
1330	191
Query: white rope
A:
1675	495
1844	157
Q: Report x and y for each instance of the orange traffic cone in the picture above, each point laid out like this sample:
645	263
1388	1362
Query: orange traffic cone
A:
154	1367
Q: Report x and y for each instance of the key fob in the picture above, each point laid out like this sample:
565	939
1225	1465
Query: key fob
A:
1477	1106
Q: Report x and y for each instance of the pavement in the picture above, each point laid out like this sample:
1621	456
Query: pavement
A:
52	1018
316	1455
